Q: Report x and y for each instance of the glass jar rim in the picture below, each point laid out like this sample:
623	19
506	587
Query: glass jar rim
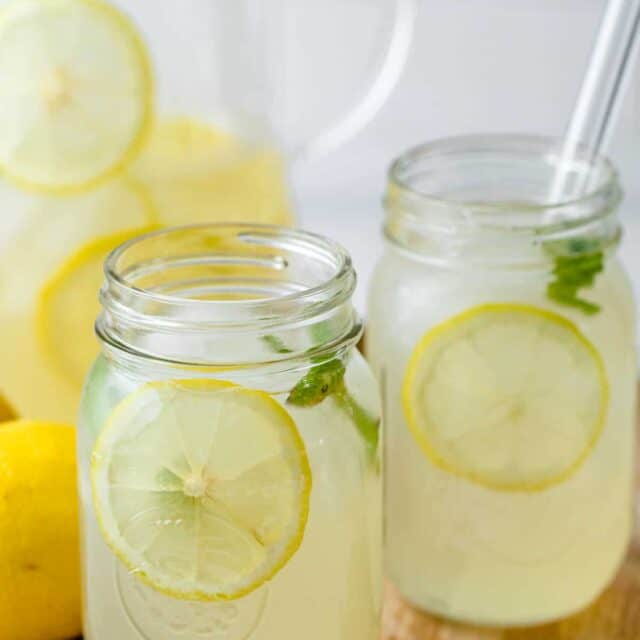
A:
341	281
485	200
595	199
224	279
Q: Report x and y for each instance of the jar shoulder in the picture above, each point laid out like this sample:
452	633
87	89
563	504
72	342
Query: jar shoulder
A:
108	383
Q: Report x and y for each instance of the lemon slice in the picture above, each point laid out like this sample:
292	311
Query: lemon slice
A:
68	306
510	396
201	487
75	93
198	173
53	228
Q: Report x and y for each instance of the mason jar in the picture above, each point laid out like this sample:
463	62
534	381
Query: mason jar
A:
228	443
501	327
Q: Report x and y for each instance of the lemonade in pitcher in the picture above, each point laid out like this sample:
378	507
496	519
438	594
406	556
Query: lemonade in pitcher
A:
228	444
117	117
508	369
93	151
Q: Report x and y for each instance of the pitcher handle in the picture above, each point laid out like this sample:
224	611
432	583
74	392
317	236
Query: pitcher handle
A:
376	94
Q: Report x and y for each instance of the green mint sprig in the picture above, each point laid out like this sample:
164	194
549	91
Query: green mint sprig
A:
318	383
577	262
275	344
326	379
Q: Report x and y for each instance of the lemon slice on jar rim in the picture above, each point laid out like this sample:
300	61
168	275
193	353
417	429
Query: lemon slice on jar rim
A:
201	487
509	396
76	93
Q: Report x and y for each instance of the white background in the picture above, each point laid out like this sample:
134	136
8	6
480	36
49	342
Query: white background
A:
475	66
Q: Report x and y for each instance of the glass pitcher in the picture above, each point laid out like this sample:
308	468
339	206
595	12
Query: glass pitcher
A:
119	117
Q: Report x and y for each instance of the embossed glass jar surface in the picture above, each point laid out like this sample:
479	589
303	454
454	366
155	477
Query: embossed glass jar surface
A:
501	326
228	443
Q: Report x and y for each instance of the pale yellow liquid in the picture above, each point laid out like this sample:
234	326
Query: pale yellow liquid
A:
186	174
331	587
480	555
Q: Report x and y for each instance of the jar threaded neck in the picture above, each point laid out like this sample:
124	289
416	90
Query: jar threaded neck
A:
227	293
485	199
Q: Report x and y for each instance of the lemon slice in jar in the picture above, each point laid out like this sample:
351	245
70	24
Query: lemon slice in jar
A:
201	487
509	396
75	93
68	305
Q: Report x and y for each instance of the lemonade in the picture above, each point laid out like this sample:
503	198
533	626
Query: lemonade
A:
94	149
228	444
509	371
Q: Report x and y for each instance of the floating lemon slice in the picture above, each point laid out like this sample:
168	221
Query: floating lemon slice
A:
53	228
75	93
509	396
197	173
201	487
68	306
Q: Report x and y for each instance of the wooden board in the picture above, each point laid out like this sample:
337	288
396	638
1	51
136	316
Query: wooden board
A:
614	616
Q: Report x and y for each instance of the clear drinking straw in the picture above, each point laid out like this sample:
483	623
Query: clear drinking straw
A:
596	111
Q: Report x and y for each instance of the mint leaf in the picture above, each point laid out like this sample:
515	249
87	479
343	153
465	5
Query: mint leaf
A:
368	426
576	265
275	344
327	379
319	382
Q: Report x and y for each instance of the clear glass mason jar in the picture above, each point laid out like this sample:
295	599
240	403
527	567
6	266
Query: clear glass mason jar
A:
228	443
501	326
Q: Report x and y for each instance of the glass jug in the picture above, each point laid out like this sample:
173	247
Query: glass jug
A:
119	117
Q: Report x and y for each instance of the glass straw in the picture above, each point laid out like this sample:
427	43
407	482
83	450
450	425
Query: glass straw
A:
596	111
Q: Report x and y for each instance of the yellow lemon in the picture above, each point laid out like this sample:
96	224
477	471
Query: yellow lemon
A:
509	396
197	173
225	465
39	555
76	93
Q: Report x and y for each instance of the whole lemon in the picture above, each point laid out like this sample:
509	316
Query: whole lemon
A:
39	555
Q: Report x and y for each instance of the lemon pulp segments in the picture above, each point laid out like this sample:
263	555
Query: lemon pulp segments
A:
75	93
509	396
201	487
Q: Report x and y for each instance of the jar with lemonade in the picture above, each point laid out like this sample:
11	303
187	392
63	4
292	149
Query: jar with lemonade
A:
116	118
228	443
502	329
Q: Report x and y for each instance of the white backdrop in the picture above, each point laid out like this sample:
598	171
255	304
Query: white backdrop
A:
475	66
